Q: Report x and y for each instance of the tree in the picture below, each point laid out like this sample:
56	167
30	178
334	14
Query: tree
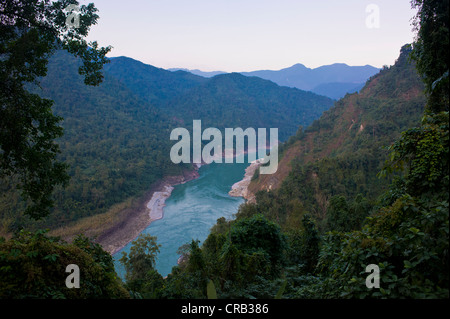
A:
423	151
259	235
30	32
432	49
337	213
310	250
408	238
141	276
34	265
142	257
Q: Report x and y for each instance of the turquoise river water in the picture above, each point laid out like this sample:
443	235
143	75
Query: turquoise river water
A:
190	212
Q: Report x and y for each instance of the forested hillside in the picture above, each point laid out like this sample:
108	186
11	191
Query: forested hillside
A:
233	100
359	207
341	153
364	189
153	85
227	100
114	143
116	139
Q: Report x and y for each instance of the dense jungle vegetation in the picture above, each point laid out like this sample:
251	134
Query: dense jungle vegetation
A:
371	193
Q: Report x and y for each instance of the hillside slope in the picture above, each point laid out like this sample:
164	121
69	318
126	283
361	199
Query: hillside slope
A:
226	100
342	152
233	100
117	135
153	85
114	142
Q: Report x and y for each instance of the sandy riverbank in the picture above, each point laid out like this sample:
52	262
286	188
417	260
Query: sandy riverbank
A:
134	220
150	208
240	189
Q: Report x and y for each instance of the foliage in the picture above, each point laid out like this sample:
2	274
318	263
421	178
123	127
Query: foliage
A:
141	276
233	100
341	154
303	246
30	32
309	252
211	290
33	265
153	85
344	217
240	262
431	50
424	152
407	235
257	235
408	241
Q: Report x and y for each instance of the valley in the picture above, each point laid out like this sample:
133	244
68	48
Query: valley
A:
121	179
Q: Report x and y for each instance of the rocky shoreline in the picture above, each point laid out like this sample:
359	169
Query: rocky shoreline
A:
240	189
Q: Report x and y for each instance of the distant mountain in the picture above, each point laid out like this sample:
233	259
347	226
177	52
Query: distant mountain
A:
337	90
333	81
198	72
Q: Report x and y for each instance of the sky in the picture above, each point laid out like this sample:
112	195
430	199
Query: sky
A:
249	35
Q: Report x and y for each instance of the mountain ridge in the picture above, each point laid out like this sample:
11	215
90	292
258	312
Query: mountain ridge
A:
234	100
322	80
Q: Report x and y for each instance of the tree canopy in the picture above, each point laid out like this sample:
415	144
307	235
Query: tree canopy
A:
30	32
432	50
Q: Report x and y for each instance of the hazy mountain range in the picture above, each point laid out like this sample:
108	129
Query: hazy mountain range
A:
333	80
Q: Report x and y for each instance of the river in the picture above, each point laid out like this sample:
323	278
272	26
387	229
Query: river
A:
190	212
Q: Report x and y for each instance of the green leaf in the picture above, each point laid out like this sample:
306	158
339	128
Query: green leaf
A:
51	257
407	264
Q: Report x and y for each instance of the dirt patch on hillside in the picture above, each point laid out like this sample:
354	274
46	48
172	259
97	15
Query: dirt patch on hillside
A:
304	149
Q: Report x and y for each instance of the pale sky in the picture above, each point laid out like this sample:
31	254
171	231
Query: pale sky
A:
248	35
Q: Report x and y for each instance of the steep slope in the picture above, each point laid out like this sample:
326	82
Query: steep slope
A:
342	152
